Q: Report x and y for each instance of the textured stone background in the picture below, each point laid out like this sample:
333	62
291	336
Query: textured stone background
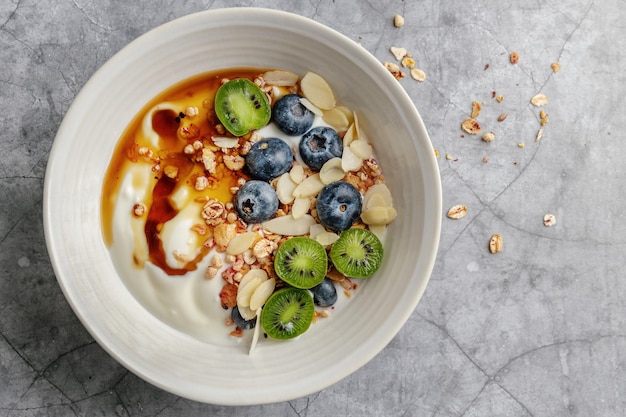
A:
536	330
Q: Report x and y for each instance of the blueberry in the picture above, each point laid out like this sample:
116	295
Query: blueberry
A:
324	293
291	117
269	158
240	322
338	205
256	201
318	145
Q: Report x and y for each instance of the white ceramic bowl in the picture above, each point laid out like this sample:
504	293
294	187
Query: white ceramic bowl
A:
166	357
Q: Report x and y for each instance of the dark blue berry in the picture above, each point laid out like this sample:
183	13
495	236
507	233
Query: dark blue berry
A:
240	322
269	158
318	145
324	293
291	117
256	201
338	205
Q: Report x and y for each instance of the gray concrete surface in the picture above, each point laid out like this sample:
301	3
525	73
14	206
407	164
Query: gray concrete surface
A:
536	330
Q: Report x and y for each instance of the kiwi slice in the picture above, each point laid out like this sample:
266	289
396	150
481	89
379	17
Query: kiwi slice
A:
241	106
301	262
357	253
287	313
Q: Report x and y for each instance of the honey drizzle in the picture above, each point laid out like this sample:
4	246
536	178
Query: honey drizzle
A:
170	152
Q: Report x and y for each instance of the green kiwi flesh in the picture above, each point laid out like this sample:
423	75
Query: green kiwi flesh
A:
301	262
241	106
287	313
357	253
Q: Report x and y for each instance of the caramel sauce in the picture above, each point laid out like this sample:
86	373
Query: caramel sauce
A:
199	92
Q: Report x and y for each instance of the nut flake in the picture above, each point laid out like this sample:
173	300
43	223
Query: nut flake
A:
514	57
539	100
398	21
502	117
556	67
457	212
418	75
495	243
471	126
408	62
539	135
398	53
549	220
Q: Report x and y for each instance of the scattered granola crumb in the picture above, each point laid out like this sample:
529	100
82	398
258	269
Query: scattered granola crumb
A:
398	21
514	57
502	117
499	99
408	62
521	145
486	67
139	209
485	159
489	137
449	157
556	67
549	220
471	126
476	108
394	69
436	152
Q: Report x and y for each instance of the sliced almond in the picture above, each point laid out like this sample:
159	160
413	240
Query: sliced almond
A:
317	91
246	312
331	171
315	230
281	78
297	173
418	75
327	238
223	142
288	226
379	215
457	212
347	112
300	207
380	230
377	189
350	136
284	188
262	293
257	331
495	243
362	149
306	103
349	161
310	187
357	126
337	119
240	243
254	273
245	292
376	200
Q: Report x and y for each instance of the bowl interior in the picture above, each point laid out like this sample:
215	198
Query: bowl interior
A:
170	359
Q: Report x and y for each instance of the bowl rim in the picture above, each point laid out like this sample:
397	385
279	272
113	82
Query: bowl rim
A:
429	255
